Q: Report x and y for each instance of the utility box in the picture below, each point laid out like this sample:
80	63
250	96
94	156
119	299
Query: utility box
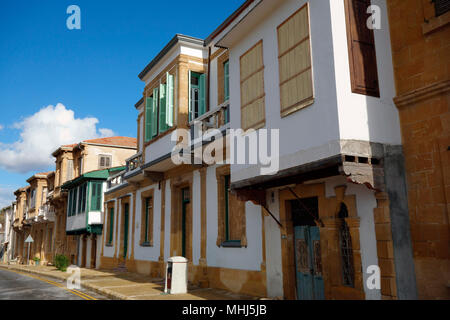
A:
176	275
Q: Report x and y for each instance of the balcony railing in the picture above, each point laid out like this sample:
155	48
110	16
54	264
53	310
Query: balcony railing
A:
115	180
134	162
46	212
213	119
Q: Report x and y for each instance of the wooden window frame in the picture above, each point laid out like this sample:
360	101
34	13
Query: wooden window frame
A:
222	236
93	185
261	123
110	231
192	112
224	57
150	93
355	88
104	156
309	100
147	219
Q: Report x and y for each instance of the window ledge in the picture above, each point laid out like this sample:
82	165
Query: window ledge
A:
231	244
435	23
146	244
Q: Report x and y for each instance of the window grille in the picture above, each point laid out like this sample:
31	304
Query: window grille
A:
441	7
348	272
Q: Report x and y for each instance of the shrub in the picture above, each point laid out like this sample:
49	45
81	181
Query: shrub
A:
61	262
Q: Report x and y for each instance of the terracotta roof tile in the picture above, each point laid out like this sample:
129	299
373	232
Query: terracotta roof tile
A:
115	141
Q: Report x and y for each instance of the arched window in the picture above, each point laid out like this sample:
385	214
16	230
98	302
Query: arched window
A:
348	272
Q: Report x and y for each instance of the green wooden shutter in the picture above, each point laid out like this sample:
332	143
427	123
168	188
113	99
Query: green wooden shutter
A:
154	124
226	80
202	94
69	206
169	100
96	196
189	93
74	202
162	108
148	118
99	196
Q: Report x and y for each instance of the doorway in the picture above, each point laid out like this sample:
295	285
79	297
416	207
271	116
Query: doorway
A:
185	208
308	260
93	251
126	213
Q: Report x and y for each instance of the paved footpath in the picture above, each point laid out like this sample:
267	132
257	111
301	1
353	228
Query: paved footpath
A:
125	285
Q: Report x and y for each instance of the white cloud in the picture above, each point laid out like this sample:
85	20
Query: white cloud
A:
6	197
42	133
1	127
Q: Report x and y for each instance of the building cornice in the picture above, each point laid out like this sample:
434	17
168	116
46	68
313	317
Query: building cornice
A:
422	93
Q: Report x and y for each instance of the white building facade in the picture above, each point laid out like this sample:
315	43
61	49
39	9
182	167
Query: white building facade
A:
318	225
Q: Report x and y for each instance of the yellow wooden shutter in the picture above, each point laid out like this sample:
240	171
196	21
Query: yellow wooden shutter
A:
252	88
294	49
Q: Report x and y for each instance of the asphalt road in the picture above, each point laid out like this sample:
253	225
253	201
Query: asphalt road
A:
23	286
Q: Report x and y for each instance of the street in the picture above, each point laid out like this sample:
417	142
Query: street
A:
21	286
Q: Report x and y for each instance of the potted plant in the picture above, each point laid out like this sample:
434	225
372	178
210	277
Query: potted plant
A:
36	261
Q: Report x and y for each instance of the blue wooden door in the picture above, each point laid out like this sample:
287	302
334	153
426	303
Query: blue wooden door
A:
308	263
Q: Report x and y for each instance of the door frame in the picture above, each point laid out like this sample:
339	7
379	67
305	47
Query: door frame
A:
176	227
93	251
123	202
288	235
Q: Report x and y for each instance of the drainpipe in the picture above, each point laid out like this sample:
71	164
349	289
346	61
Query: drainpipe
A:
209	79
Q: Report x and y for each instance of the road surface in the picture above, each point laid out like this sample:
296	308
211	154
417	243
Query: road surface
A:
25	286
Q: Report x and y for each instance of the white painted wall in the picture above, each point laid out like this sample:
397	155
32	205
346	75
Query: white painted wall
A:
76	222
108	251
363	117
159	148
148	253
313	133
88	252
273	247
196	217
167	225
312	127
249	258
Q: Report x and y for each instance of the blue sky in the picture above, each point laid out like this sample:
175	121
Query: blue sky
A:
91	73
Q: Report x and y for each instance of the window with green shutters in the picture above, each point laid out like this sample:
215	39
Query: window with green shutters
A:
148	118
166	104
83	193
226	80
159	109
197	92
69	204
96	196
154	114
74	201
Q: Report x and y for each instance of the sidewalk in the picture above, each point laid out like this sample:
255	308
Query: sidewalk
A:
128	286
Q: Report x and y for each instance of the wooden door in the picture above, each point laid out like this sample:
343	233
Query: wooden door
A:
310	285
94	251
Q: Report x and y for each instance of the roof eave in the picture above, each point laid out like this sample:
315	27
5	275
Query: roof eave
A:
177	38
